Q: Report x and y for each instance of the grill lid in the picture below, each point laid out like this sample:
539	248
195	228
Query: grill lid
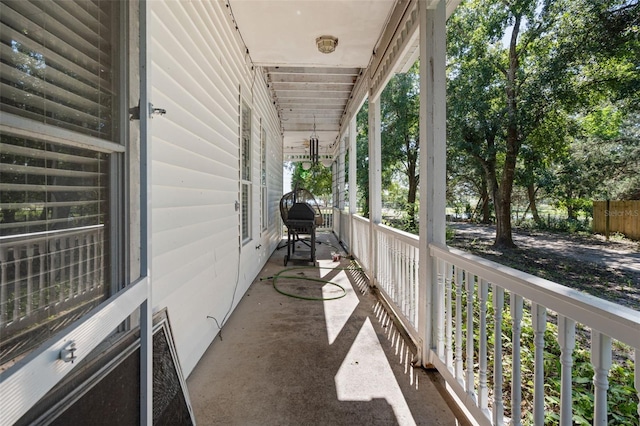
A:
301	211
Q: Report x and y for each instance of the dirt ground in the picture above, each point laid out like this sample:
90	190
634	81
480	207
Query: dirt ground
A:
607	269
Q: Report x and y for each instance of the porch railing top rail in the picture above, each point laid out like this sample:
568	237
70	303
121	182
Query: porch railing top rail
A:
403	236
360	218
614	320
39	236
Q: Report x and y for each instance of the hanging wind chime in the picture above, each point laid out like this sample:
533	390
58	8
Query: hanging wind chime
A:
314	145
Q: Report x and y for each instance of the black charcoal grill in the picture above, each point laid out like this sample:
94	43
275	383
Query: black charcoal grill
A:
301	215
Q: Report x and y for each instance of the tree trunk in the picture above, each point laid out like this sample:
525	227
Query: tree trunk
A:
571	212
486	208
504	236
411	205
502	203
531	192
411	197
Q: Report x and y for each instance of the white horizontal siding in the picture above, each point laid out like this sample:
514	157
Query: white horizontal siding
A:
199	68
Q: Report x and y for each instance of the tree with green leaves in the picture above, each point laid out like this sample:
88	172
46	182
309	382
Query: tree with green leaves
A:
362	160
317	180
400	113
521	72
497	94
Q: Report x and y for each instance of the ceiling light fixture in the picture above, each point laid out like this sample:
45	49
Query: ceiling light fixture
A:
327	43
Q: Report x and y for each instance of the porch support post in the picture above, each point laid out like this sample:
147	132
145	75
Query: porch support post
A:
341	155
375	184
353	135
432	16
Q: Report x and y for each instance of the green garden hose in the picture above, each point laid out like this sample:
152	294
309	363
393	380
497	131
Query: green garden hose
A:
282	273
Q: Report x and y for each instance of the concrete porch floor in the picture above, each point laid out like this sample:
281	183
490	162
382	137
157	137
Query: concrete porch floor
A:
288	361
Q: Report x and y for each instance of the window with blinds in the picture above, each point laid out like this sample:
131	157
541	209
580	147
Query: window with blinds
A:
58	80
58	65
245	170
263	177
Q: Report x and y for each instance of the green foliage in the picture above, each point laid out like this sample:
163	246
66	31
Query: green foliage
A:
566	91
400	111
362	160
603	123
558	225
317	180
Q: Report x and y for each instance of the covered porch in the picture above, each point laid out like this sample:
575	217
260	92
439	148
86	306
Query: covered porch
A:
282	360
242	77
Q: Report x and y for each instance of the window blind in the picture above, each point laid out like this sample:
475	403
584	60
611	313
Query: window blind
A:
44	186
57	63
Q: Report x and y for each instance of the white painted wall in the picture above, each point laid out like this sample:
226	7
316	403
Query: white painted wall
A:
198	69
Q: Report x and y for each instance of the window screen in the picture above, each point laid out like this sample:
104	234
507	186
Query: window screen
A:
245	170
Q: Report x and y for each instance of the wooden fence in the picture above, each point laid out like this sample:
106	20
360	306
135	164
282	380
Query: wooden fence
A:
623	217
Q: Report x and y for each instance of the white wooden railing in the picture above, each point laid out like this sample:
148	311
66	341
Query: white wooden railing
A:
397	273
337	219
327	219
469	300
361	244
345	228
468	285
45	273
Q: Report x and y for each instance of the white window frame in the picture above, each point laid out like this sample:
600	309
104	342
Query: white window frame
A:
245	162
264	192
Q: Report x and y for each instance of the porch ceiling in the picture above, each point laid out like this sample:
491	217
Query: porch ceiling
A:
309	86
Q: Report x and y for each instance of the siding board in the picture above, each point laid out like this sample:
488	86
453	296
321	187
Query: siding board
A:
199	69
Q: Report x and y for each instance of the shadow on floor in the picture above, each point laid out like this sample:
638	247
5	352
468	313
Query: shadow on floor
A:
290	361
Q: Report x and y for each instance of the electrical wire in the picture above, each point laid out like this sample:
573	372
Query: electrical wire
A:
233	296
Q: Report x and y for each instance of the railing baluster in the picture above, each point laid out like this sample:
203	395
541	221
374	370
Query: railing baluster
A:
68	268
82	279
402	276
498	403
30	252
87	266
601	360
539	320
516	376
449	326
410	285
52	270
389	272
101	248
17	261
416	281
399	271
96	260
470	383
42	285
53	255
442	265
458	362
483	390
3	285
567	341
72	267
63	268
